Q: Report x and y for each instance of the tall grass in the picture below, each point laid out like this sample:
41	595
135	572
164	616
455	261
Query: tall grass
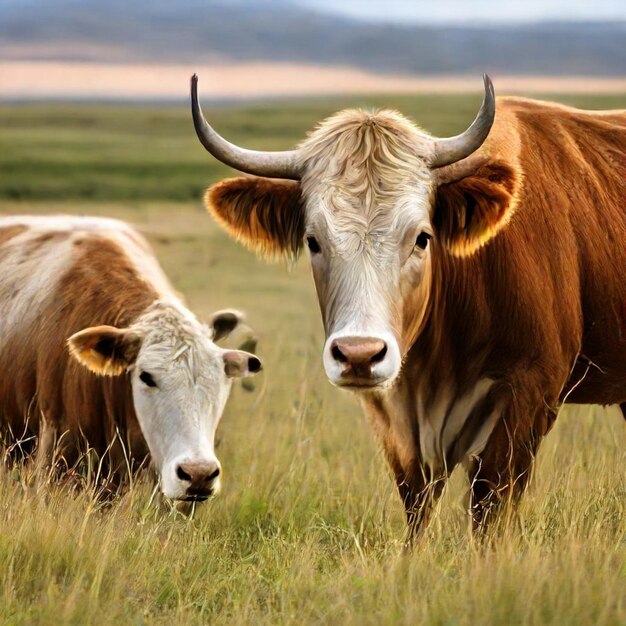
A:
308	528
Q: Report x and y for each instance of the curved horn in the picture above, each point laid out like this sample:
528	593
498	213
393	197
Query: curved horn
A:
453	149
269	164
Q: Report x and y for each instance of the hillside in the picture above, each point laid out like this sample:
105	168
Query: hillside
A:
279	31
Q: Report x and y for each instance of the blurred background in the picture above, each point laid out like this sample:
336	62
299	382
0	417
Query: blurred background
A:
271	69
145	49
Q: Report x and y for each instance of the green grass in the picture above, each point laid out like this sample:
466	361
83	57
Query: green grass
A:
109	152
308	528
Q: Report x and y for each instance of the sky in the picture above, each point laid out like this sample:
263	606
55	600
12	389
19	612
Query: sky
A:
426	11
473	10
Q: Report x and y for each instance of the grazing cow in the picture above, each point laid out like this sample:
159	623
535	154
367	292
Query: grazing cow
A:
468	286
97	350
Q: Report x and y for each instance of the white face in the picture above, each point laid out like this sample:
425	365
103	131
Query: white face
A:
180	383
180	389
179	407
370	255
367	193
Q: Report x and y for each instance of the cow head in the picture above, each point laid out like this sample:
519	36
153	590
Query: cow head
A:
180	383
373	198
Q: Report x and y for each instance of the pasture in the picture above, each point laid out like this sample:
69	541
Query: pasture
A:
308	528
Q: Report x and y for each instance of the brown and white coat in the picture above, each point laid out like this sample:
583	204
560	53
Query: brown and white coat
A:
97	351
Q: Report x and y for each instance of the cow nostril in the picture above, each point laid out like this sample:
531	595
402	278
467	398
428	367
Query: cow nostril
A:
338	355
212	476
380	355
254	364
182	474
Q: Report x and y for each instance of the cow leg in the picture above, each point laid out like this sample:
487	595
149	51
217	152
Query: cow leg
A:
419	509
46	444
494	486
419	494
500	474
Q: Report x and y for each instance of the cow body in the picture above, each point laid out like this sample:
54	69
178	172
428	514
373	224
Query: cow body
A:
464	303
62	275
532	319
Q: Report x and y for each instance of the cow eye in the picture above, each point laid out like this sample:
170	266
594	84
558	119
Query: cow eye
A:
422	240
147	379
314	247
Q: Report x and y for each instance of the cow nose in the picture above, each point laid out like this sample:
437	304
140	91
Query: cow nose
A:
358	354
199	478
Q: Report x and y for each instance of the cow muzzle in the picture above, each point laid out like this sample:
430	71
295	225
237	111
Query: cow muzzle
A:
193	481
361	362
200	479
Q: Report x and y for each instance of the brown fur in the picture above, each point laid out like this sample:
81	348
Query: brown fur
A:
105	350
264	214
42	381
8	233
470	211
539	308
528	290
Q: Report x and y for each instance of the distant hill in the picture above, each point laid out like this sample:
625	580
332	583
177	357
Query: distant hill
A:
277	30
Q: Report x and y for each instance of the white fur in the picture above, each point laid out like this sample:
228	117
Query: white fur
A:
179	417
481	438
437	433
367	257
367	189
35	277
29	281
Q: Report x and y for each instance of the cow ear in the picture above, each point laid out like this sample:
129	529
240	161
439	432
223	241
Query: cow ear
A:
471	209
232	322
238	363
224	322
263	213
105	350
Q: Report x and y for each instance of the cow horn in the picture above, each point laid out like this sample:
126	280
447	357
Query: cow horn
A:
453	149
269	164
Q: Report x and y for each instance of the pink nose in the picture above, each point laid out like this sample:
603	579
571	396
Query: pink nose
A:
358	354
199	478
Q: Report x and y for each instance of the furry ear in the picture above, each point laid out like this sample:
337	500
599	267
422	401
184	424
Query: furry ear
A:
471	210
229	321
224	322
230	324
105	350
265	214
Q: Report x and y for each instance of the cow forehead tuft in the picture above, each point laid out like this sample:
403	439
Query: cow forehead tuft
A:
365	163
358	135
172	334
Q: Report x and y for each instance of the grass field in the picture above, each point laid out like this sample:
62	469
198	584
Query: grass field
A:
308	528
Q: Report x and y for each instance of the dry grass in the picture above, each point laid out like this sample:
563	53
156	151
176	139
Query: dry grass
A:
309	528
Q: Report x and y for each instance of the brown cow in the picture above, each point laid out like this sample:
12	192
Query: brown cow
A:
468	286
142	378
